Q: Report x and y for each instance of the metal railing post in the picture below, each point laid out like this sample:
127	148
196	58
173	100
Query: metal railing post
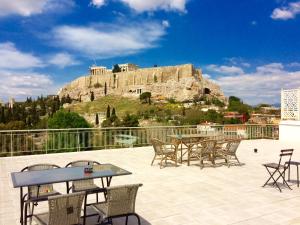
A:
78	142
11	144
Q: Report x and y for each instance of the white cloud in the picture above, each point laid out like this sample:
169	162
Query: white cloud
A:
207	76
166	23
263	85
270	68
31	7
225	69
17	76
20	85
286	12
153	5
12	58
109	40
97	3
63	60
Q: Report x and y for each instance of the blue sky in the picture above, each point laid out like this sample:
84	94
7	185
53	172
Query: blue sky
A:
250	48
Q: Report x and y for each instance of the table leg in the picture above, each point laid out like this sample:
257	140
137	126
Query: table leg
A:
68	187
108	181
21	205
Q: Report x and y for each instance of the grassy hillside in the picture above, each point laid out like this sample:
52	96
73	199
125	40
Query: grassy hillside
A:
121	104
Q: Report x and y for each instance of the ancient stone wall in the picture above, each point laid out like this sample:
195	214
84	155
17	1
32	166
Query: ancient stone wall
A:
181	82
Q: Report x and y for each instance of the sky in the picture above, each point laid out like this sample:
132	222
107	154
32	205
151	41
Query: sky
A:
250	48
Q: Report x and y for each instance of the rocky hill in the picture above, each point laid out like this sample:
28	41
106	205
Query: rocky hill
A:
181	82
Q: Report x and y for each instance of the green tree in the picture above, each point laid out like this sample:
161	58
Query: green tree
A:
68	99
145	97
92	96
2	115
43	107
108	112
105	89
62	119
15	125
97	119
113	113
116	69
130	120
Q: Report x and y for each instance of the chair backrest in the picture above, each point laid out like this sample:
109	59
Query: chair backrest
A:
78	163
65	209
82	163
121	199
208	146
158	146
285	154
233	145
33	190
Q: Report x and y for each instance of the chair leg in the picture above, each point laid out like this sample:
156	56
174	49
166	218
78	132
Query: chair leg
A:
126	222
297	176
272	177
237	159
228	161
283	177
162	159
153	160
289	173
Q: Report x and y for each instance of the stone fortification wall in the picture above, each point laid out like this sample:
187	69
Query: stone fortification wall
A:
181	82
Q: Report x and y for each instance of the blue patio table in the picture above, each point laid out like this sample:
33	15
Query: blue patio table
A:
61	175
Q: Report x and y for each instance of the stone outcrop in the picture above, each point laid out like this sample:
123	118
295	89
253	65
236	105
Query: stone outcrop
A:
182	82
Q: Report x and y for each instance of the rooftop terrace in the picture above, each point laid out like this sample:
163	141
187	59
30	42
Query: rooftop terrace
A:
182	195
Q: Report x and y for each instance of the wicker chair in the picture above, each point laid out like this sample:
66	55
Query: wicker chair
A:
63	210
163	152
85	185
38	193
205	150
229	151
120	203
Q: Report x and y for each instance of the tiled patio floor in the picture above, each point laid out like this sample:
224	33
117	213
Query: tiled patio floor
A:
182	195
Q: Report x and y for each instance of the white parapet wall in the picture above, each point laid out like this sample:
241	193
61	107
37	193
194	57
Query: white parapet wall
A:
289	131
289	127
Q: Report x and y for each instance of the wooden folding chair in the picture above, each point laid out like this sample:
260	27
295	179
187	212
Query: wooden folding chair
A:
279	168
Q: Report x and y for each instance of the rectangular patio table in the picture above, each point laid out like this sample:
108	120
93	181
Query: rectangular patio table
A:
189	140
60	175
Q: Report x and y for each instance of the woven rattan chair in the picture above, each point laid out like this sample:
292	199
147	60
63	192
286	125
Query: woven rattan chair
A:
204	151
163	152
63	210
120	203
229	151
38	193
85	185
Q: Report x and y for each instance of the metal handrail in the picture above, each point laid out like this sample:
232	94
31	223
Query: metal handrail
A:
44	141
